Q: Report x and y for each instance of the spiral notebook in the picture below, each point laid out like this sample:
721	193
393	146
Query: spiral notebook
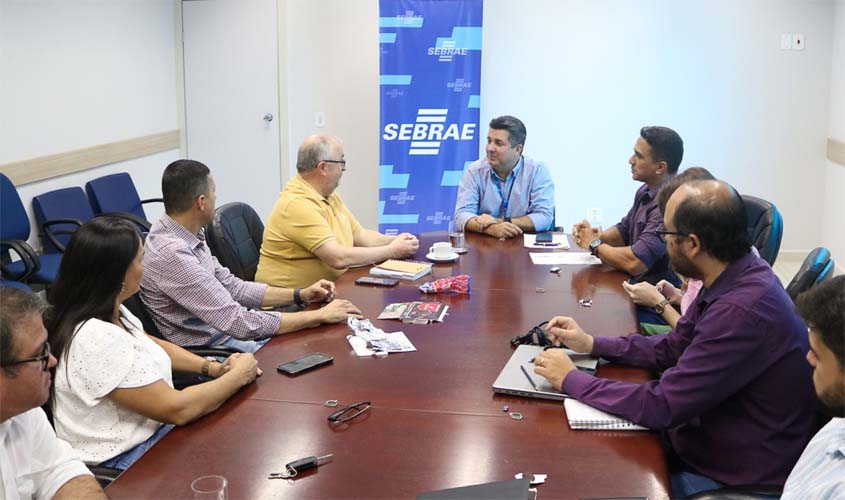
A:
582	416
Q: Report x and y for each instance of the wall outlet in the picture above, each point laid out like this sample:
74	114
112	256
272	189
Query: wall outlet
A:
320	119
798	41
594	216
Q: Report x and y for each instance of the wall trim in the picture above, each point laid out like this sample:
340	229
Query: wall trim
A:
45	167
836	151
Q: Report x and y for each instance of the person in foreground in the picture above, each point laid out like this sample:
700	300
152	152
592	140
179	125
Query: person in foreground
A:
820	472
114	397
735	400
506	193
633	245
193	300
310	234
35	463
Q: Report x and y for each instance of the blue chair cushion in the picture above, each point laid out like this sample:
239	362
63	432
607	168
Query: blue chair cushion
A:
15	284
114	193
67	203
14	223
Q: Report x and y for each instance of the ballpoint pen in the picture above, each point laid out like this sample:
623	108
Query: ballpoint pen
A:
522	367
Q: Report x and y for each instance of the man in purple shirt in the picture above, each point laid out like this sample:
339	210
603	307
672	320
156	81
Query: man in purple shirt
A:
735	399
195	301
633	245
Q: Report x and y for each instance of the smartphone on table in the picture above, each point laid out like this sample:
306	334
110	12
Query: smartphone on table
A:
374	280
309	362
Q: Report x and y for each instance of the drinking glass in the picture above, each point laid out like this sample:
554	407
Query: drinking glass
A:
456	236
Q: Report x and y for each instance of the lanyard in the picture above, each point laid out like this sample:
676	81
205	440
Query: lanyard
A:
503	209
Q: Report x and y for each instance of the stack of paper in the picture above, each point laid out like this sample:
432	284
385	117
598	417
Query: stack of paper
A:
402	269
582	416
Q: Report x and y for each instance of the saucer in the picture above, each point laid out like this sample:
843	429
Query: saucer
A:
450	258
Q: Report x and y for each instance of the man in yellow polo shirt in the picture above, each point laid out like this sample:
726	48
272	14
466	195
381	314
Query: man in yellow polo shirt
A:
310	234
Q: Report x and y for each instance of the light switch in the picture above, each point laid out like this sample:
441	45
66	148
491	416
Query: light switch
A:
320	119
786	41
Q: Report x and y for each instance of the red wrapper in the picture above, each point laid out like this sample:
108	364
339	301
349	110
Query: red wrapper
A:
457	284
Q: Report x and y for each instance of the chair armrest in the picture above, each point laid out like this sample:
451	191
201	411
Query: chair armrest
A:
152	200
216	351
51	234
104	475
138	221
30	260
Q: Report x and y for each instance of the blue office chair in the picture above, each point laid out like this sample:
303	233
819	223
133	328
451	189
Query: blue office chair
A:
817	267
18	260
115	194
234	236
765	225
15	284
60	213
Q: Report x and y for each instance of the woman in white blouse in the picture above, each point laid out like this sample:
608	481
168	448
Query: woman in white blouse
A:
113	394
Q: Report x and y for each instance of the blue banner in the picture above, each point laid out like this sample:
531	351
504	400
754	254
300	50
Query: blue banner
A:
430	76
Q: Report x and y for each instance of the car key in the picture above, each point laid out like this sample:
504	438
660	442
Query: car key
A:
303	464
297	466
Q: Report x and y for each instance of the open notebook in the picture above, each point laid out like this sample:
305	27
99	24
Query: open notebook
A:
582	416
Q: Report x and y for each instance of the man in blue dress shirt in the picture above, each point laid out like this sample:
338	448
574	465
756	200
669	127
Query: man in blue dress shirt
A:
506	193
735	401
820	472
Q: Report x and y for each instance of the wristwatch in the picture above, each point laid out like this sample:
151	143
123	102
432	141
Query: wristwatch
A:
507	219
594	246
661	306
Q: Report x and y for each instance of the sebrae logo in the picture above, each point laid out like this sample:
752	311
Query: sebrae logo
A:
428	131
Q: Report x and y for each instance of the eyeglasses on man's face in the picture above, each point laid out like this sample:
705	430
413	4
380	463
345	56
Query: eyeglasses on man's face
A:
347	413
342	164
662	232
44	358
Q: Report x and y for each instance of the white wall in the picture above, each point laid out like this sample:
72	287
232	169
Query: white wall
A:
585	76
833	223
78	74
333	66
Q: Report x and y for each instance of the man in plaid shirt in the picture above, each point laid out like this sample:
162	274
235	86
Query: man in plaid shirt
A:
193	300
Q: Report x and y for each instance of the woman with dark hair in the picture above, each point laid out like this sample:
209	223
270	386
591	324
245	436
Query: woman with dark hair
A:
113	395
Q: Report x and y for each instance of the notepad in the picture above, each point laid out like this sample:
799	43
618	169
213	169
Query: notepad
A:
402	269
582	416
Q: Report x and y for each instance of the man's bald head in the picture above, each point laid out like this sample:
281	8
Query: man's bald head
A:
314	149
715	212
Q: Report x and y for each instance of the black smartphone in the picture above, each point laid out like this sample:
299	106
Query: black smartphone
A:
373	280
300	365
543	237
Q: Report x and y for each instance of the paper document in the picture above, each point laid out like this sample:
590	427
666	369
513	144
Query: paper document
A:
567	258
369	340
559	241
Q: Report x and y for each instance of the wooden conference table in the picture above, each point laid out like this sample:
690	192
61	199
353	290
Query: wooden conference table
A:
435	421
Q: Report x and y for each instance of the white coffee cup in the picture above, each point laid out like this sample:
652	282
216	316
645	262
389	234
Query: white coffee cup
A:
441	249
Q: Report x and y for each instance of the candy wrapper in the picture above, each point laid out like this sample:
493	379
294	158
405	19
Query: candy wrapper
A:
457	284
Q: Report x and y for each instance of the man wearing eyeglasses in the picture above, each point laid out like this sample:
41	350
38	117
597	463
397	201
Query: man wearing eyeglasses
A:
34	463
311	235
506	193
735	401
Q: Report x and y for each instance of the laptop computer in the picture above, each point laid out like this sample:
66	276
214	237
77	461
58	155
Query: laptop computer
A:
514	377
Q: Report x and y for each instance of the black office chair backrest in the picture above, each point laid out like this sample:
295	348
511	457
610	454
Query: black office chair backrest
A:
817	267
765	225
234	237
136	306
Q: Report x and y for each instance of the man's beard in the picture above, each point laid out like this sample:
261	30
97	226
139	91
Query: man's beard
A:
683	266
832	400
